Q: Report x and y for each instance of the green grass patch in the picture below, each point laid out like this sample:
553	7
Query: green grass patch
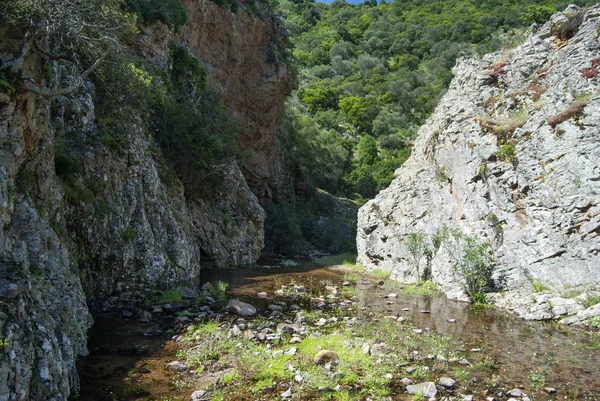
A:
170	295
538	286
424	288
382	274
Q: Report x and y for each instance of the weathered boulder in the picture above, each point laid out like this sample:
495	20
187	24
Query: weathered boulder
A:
510	155
241	308
325	356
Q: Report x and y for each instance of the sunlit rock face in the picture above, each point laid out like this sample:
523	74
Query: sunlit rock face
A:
510	155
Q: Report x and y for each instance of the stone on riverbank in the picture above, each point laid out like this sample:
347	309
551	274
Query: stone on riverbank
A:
241	308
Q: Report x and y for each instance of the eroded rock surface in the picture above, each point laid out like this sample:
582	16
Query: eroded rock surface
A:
510	155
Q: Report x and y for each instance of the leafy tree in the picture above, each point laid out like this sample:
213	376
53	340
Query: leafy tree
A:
417	248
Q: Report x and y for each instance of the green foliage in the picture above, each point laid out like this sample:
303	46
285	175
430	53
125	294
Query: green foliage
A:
507	152
171	12
596	322
479	299
417	247
192	127
128	234
538	286
218	292
5	86
472	260
170	295
378	71
186	69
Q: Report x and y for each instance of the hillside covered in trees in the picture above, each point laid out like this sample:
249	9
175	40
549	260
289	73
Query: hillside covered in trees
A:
370	74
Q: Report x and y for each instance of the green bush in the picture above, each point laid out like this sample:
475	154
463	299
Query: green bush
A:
472	260
171	12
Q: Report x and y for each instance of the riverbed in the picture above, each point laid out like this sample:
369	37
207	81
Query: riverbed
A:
128	359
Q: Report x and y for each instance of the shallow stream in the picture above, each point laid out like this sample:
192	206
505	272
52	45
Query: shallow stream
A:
128	358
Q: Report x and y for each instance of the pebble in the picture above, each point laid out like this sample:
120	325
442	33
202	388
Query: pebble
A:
298	378
549	390
464	362
392	295
475	349
287	394
406	309
424	311
262	295
321	322
291	352
418	331
295	340
451	320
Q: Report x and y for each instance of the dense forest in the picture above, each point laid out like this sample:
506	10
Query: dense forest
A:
370	74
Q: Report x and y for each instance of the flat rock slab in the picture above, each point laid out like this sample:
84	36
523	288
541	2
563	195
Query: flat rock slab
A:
241	308
427	389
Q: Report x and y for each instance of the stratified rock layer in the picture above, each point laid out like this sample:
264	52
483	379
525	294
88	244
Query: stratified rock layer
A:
538	206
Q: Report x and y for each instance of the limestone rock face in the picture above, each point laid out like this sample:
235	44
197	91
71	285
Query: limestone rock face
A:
123	221
510	155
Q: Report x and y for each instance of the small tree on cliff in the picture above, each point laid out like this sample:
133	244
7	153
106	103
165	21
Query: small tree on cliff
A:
417	247
472	259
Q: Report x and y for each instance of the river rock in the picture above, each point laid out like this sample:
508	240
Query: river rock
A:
289	328
177	365
198	395
379	349
366	349
406	381
446	382
189	293
515	392
241	308
262	295
427	389
549	390
325	356
287	394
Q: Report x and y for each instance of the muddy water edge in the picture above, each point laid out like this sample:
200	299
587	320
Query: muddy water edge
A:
128	358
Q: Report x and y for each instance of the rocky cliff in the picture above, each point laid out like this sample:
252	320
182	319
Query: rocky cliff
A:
87	213
510	156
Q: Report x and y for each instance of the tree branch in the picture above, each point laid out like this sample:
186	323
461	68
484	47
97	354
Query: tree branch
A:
49	93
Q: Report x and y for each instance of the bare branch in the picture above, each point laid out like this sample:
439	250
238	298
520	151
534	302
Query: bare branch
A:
49	93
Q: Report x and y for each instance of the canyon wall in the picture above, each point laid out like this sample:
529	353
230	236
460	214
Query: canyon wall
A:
121	221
